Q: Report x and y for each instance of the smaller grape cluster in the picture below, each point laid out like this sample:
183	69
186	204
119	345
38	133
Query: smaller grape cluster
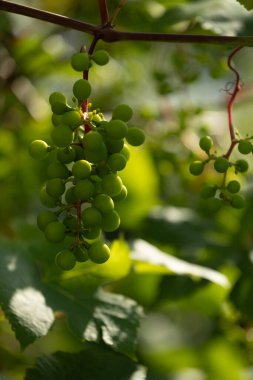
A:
83	184
228	191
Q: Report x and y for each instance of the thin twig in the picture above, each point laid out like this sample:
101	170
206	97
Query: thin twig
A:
104	15
120	5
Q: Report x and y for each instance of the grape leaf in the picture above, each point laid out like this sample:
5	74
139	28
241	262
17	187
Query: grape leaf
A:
248	4
93	363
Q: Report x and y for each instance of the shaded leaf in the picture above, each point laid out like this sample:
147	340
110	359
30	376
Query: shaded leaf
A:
248	4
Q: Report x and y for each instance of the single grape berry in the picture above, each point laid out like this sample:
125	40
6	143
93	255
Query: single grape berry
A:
112	184
233	186
91	217
116	129
81	89
58	103
196	167
38	149
70	222
55	187
72	118
84	189
81	169
57	97
96	156
99	252
206	143
55	232
110	221
65	155
103	203
46	199
241	166
65	260
62	135
237	201
208	191
70	197
92	140
114	145
245	146
116	162
45	217
101	57
80	61
81	254
92	233
135	136
57	170
126	152
221	164
122	195
122	112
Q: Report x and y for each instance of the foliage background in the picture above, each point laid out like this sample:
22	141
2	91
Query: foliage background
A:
198	323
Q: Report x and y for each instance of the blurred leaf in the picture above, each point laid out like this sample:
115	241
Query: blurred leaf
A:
248	4
151	256
93	363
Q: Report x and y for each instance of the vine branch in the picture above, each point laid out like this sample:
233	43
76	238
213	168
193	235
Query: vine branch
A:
104	15
108	34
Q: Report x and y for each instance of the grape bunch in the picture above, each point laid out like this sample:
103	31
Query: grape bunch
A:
83	186
228	191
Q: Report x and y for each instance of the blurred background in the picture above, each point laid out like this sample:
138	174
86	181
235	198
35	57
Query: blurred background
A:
194	329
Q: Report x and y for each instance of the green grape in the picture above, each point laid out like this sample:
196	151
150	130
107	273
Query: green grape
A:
56	119
96	156
101	57
66	155
62	135
221	164
46	199
92	140
55	187
102	169
70	197
206	143
55	232
81	254
45	217
122	112
70	222
135	136
241	166
122	195
80	61
65	260
81	89
79	152
57	170
57	97
84	189
91	217
233	186
125	151
208	191
103	203
245	147
111	184
99	252
196	167
81	169
72	118
92	233
116	129
113	145
38	149
110	221
59	108
214	204
237	201
116	162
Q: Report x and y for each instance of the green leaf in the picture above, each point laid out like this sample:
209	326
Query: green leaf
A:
93	363
248	4
150	259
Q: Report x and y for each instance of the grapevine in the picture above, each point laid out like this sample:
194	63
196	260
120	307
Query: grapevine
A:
87	152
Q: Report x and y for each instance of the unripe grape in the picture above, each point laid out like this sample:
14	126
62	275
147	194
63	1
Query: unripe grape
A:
135	136
99	252
79	152
103	203
237	201
208	191
116	129
72	118
221	164
65	260
233	186
70	222
112	184
62	135
196	167
81	169
214	204
241	166
55	232
80	61
122	195
92	140
122	112
101	57
45	217
114	145
57	170
46	199
66	155
206	143
92	233
110	221
38	149
126	152
245	146
84	189
96	156
70	197
81	254
82	89
55	187
56	119
59	108
57	97
91	217
116	162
